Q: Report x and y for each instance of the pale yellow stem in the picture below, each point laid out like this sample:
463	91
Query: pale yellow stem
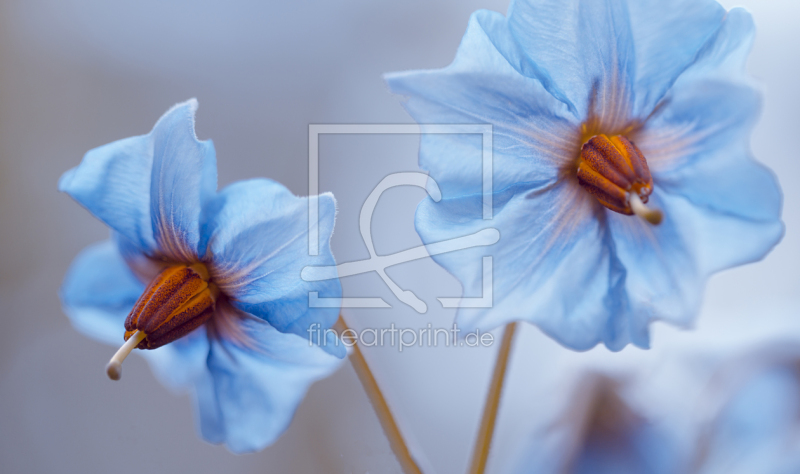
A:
389	425
114	366
639	208
483	443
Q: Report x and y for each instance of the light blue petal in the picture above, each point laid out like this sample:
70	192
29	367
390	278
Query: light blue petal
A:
703	131
699	148
249	395
639	449
258	235
599	432
669	265
585	52
725	54
534	134
707	184
536	76
667	36
665	279
113	183
181	363
612	59
144	267
150	189
754	432
554	266
766	406
99	291
183	180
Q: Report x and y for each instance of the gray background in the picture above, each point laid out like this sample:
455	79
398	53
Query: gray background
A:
75	75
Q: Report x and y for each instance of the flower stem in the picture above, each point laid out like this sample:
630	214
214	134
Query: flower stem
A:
389	425
480	453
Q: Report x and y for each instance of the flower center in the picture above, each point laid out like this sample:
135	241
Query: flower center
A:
613	170
176	302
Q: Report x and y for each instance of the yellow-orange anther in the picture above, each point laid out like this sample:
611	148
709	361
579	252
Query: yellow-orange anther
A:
612	168
175	303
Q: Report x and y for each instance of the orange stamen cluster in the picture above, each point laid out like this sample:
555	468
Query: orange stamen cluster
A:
176	302
611	169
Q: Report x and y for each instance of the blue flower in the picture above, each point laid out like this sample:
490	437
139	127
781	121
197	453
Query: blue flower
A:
755	429
600	432
599	108
211	279
733	415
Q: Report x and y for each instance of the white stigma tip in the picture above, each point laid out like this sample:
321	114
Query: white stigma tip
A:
114	366
653	216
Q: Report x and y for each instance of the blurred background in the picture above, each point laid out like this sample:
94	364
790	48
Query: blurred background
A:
75	75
